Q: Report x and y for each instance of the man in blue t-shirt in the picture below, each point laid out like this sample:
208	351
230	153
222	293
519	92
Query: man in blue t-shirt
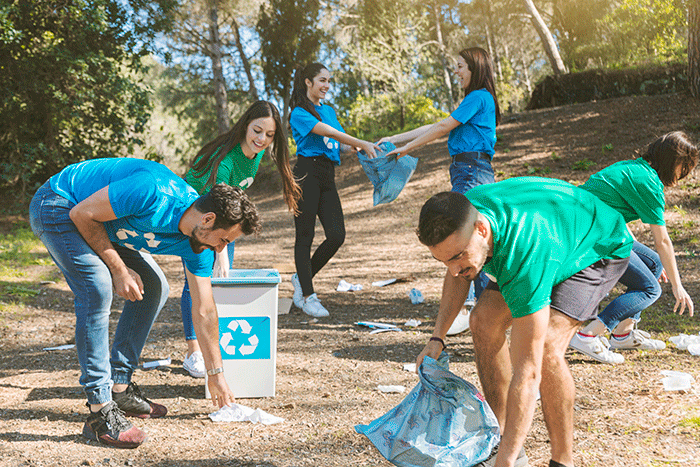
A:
101	220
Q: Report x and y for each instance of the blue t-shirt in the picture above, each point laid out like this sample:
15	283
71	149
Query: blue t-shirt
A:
310	144
477	132
148	200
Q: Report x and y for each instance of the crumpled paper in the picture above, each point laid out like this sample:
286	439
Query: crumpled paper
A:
241	413
345	286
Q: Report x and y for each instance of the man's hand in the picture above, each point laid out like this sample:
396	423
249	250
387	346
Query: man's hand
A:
220	393
433	350
128	285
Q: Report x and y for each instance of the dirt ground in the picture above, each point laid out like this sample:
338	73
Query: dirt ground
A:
328	370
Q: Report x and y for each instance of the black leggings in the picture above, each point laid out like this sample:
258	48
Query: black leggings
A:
319	198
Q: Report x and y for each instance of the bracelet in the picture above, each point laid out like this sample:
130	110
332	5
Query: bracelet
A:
444	346
215	371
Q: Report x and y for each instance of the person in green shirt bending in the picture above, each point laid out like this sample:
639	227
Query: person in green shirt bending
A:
552	252
635	189
233	158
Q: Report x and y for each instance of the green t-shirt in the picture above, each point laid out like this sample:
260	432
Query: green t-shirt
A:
632	188
545	231
235	170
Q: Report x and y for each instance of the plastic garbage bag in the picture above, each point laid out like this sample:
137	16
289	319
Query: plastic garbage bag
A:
388	174
443	422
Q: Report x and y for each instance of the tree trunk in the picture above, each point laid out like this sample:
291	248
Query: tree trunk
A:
490	41
694	48
550	47
252	90
219	83
443	58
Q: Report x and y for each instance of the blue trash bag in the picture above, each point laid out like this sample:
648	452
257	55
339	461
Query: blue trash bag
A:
443	422
388	174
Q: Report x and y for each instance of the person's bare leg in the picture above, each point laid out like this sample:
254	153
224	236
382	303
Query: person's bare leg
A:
192	347
488	322
557	389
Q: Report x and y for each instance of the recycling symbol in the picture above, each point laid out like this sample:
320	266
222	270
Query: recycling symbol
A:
330	143
226	340
136	241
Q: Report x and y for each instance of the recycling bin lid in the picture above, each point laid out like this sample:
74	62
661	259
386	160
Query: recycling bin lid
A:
249	276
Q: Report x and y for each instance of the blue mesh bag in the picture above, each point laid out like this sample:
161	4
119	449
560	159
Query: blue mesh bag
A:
443	422
388	174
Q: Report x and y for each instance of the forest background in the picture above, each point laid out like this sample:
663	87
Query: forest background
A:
83	79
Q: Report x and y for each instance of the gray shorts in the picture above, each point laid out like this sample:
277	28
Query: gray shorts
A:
579	295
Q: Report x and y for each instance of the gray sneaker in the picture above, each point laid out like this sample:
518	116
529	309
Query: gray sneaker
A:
521	461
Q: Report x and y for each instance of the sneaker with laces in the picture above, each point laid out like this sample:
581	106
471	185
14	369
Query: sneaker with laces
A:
596	347
637	339
461	323
298	297
312	307
109	426
133	404
194	364
521	461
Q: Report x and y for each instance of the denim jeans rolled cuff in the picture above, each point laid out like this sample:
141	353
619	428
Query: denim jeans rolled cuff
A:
91	282
186	300
642	281
467	175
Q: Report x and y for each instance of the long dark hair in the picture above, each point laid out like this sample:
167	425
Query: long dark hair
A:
299	97
670	151
481	66
211	155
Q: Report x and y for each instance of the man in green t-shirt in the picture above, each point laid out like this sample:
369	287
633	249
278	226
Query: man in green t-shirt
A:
553	251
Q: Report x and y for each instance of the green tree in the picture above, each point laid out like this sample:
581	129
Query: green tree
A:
388	46
68	89
289	37
643	31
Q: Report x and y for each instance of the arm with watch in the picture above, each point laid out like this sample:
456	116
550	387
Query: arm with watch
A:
454	292
206	325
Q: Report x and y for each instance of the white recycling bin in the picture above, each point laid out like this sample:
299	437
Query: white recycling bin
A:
247	304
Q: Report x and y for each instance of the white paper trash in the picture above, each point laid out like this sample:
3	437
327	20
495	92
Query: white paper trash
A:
247	304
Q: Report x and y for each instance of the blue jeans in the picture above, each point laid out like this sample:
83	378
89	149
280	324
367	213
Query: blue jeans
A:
642	281
465	176
91	282
186	301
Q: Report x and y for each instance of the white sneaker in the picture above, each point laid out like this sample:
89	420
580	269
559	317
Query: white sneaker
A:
298	297
194	364
461	323
312	307
597	348
637	339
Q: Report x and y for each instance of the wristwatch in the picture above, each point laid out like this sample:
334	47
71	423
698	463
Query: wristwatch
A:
215	371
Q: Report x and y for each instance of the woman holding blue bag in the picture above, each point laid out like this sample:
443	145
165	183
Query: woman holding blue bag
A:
471	141
319	139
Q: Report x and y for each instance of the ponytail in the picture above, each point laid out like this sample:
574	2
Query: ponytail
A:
299	97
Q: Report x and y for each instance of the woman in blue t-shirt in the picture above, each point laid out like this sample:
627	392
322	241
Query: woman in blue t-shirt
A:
319	139
471	141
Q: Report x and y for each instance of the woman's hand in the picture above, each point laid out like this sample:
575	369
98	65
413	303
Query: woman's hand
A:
683	300
386	139
400	152
370	149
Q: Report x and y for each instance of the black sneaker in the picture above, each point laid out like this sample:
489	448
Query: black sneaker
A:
134	404
108	426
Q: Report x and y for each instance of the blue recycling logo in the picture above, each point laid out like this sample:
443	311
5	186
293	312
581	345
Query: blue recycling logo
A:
245	338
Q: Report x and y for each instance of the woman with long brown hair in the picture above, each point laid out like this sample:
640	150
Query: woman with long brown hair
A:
233	158
471	141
